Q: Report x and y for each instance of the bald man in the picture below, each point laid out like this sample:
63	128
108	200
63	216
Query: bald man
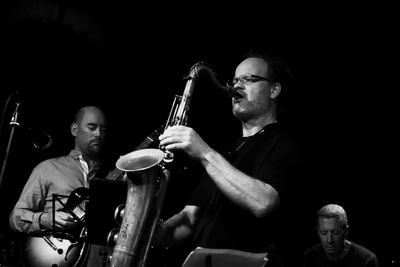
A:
62	176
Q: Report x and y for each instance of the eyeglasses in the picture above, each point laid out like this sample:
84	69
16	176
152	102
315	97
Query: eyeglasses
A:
248	78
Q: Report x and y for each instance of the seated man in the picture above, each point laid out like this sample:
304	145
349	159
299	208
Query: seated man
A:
334	249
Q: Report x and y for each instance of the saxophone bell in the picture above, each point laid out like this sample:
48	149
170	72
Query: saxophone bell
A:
140	160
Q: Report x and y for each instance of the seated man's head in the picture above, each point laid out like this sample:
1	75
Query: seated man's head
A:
332	229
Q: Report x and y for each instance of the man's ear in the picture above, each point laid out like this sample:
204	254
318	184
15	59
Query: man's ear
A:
74	129
275	90
346	231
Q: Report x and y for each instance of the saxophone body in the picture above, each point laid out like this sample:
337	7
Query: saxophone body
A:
147	172
143	181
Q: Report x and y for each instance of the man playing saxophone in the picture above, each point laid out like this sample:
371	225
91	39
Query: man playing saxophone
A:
241	201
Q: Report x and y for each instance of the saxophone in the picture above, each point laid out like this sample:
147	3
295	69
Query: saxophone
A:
147	172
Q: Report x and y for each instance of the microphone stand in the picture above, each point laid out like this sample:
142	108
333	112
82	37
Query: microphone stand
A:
14	122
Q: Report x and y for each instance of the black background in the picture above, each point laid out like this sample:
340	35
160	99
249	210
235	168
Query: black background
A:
130	60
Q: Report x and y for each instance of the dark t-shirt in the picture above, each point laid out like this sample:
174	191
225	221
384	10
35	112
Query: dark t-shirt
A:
272	156
358	256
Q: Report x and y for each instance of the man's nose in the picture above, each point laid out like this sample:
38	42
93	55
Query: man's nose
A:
329	237
97	132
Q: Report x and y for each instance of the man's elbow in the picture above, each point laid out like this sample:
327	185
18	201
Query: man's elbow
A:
12	221
263	208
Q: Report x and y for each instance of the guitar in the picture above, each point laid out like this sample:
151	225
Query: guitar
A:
149	141
60	249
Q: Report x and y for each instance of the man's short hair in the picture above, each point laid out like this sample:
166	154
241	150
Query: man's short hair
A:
279	72
333	211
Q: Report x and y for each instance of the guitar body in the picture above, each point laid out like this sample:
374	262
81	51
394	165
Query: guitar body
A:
50	251
60	249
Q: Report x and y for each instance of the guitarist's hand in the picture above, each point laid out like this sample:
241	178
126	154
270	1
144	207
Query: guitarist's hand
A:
63	221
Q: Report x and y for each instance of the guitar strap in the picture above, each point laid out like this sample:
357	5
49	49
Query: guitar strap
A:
85	169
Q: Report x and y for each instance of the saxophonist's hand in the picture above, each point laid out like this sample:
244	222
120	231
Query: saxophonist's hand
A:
184	138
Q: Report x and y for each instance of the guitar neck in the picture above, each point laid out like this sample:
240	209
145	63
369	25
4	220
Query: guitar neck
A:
115	174
147	142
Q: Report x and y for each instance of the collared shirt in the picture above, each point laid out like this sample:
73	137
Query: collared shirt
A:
88	170
50	179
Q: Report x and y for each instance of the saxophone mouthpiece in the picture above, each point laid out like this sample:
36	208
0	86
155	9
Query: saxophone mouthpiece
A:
232	92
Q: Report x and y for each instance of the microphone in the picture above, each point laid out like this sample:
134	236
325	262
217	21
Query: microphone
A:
41	140
15	116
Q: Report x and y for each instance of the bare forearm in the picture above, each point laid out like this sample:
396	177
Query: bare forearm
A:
253	195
